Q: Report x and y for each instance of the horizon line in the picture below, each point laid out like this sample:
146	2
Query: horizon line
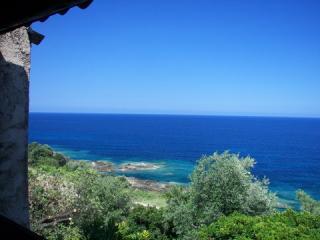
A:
178	114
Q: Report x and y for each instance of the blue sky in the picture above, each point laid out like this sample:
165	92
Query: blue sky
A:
225	57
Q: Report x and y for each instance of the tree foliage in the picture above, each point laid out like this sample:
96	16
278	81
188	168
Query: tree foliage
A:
68	202
104	201
41	154
71	201
308	203
52	198
288	225
148	220
221	184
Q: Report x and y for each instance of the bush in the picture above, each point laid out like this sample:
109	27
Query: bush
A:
104	201
60	158
63	232
44	155
66	202
38	152
146	219
52	198
125	233
308	203
221	184
288	225
78	165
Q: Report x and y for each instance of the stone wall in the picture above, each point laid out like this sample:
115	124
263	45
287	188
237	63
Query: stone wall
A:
14	106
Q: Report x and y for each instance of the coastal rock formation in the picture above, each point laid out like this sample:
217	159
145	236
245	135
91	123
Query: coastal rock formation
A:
105	166
147	184
138	166
102	166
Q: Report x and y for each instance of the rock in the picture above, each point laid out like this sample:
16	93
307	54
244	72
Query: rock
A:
149	185
102	166
138	166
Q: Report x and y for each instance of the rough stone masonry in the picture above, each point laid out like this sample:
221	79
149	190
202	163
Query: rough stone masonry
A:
14	108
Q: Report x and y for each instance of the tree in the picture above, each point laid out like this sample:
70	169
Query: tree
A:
43	154
308	203
288	225
52	200
104	201
148	220
74	202
221	184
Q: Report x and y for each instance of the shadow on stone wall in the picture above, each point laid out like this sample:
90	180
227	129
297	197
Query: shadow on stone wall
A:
14	101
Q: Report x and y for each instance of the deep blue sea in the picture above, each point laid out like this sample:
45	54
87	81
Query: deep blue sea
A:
287	150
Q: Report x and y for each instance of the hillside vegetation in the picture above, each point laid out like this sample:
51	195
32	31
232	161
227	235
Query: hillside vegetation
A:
71	201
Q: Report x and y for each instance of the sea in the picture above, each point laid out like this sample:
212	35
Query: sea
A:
286	150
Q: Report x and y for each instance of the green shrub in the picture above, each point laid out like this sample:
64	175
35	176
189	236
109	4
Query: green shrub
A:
308	203
78	165
63	232
221	184
103	202
38	153
60	158
125	233
148	219
52	197
80	198
288	225
44	155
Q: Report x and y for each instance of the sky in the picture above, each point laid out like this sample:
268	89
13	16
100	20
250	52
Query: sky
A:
207	57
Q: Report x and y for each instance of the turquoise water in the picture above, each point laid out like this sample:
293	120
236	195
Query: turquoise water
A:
287	150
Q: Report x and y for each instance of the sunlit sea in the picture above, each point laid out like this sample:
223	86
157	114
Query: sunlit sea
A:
287	150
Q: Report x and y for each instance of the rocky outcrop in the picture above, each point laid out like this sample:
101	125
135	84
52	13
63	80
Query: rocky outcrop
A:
148	184
103	166
138	166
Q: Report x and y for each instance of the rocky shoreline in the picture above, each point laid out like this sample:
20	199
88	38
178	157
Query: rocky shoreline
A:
144	184
138	166
104	166
149	185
